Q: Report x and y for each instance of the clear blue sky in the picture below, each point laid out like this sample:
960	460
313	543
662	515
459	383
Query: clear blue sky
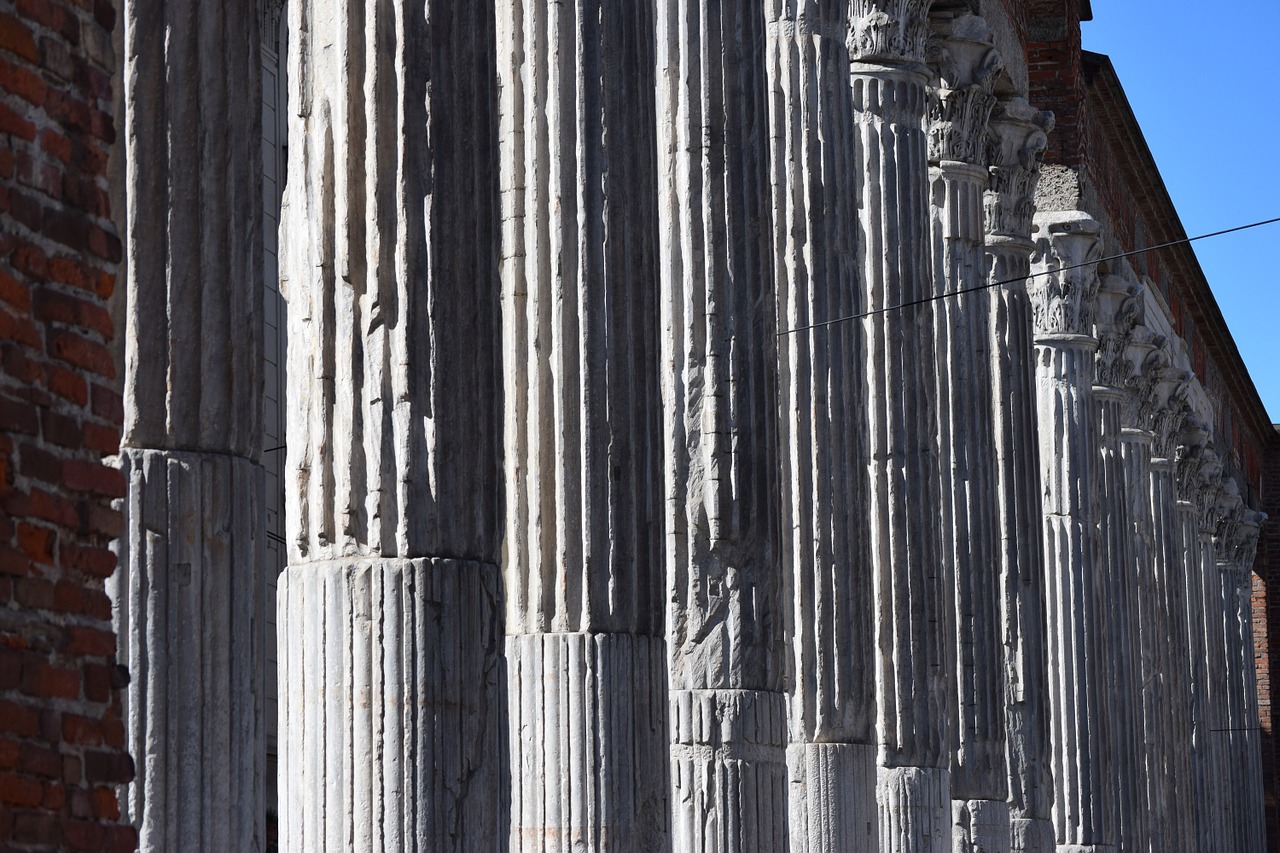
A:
1202	81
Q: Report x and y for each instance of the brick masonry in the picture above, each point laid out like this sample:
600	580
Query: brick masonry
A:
61	736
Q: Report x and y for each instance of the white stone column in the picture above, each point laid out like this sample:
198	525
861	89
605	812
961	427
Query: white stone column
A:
1216	722
1062	296
1173	823
886	47
582	564
827	564
1120	466
728	660
960	104
1197	465
1017	141
1237	538
390	619
188	597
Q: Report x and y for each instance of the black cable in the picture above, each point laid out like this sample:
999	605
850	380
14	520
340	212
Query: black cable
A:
989	285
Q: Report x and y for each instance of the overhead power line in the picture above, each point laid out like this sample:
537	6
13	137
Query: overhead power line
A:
915	302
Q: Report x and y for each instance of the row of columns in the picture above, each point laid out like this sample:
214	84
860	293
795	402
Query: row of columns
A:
602	535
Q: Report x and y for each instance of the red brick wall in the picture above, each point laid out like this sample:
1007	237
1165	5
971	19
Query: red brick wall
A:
61	736
1054	75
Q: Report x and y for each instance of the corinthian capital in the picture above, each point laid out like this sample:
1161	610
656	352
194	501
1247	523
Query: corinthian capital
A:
1120	311
1170	411
888	30
1064	282
1016	142
1193	459
965	62
1244	544
1228	513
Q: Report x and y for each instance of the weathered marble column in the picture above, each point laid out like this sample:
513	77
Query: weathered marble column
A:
1237	538
886	49
1197	465
1138	747
188	597
1215	726
965	61
390	618
1173	822
586	664
1062	295
1016	143
827	564
719	388
1119	312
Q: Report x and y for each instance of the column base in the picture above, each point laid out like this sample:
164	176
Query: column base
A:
915	809
188	609
390	706
981	826
833	798
1086	848
728	758
587	731
1031	836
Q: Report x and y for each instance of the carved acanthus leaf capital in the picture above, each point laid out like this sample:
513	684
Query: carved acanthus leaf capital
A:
1193	458
1120	311
1211	488
1228	513
965	63
1171	409
1244	545
888	30
1064	283
1016	141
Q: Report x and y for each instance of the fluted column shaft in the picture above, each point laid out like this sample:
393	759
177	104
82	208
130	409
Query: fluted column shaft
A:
827	567
1018	139
1197	465
719	388
1190	545
583	550
389	612
1063	302
1237	536
1123	473
1215	713
188	599
1174	775
1116	561
889	99
959	108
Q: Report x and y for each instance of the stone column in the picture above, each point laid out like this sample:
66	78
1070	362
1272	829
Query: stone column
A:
719	390
1119	468
1237	538
886	49
1252	830
1140	747
1172	772
389	610
827	564
1016	143
586	667
1062	294
1196	466
187	597
965	62
1215	711
1227	700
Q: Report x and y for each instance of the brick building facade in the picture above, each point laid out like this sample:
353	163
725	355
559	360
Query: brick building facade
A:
62	740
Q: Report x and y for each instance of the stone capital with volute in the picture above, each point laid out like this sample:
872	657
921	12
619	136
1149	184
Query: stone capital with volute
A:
891	31
964	63
1064	292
